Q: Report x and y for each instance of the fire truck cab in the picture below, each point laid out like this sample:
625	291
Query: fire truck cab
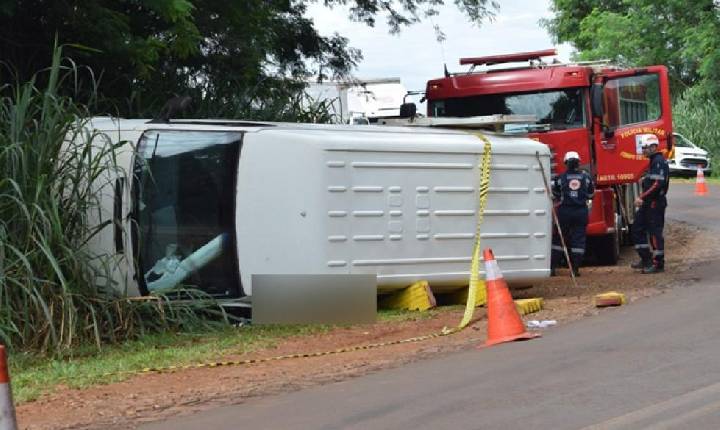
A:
593	108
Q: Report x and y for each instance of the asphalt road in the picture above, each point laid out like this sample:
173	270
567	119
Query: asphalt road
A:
704	211
654	364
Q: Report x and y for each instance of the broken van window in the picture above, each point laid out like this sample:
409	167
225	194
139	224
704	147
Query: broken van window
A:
185	190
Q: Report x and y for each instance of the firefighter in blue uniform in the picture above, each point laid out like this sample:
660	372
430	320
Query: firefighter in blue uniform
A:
573	189
651	204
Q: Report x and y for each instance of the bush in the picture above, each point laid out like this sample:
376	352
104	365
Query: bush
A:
54	294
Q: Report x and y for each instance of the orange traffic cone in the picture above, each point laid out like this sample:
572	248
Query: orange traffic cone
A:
504	323
700	186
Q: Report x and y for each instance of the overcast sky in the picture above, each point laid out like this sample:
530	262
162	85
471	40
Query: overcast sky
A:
415	56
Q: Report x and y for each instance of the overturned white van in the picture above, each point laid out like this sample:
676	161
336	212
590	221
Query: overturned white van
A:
210	203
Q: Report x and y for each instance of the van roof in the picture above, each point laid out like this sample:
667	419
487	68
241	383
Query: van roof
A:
350	135
121	124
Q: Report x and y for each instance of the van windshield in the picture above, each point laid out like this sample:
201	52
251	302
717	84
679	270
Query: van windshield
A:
554	110
184	207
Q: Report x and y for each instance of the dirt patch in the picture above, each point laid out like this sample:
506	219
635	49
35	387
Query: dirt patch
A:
156	396
686	245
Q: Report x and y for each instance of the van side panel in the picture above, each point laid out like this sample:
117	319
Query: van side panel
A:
398	205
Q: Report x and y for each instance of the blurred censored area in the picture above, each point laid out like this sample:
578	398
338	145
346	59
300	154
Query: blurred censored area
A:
308	299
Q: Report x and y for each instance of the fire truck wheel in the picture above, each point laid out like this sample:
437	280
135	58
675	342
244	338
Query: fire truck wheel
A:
608	249
624	229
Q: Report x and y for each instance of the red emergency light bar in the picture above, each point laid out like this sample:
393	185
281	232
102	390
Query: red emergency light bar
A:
508	58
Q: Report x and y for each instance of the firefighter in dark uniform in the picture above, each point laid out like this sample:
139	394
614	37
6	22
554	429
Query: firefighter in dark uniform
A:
573	189
651	204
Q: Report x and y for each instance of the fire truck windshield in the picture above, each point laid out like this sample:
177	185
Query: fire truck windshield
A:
554	110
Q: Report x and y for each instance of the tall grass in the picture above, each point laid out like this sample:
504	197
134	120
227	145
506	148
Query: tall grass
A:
54	293
697	117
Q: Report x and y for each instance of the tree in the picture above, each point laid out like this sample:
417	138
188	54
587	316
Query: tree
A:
681	34
232	56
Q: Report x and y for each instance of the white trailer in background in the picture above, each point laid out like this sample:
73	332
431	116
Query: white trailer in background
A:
210	203
360	101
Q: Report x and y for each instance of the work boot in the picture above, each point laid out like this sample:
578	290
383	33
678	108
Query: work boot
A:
576	262
645	259
652	269
552	272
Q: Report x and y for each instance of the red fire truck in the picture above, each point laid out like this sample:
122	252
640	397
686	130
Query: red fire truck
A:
593	108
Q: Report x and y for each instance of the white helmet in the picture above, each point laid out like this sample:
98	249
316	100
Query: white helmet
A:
571	155
647	140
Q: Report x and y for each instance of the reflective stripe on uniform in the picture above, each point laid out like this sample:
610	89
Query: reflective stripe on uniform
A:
642	246
656	253
577	250
557	248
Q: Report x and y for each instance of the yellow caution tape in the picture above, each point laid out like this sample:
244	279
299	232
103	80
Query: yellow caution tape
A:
163	369
477	285
461	297
476	291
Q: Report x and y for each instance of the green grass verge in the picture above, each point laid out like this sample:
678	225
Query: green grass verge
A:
33	376
389	315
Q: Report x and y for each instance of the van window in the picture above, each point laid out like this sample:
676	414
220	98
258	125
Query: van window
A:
184	207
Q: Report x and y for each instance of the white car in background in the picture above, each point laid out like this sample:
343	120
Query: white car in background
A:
688	157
